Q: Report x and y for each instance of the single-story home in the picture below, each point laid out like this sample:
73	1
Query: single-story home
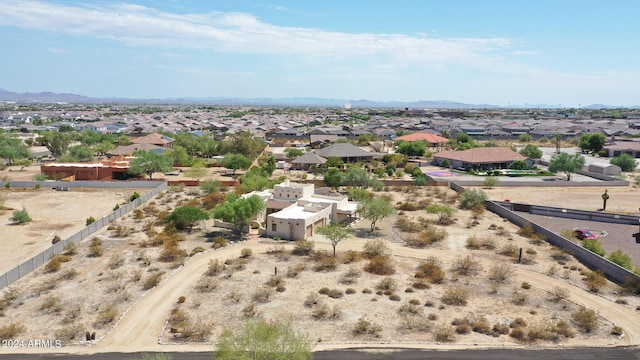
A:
490	158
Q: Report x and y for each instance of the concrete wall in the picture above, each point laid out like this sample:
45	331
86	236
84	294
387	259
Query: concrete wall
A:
28	266
613	271
573	214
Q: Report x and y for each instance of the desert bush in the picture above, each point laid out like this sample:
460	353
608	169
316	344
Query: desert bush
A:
622	259
51	304
215	267
350	276
171	252
559	293
414	323
116	261
350	291
250	311
510	250
245	253
324	262
69	333
293	271
519	298
90	220
95	247
617	331
380	265
350	256
500	329
421	284
518	334
466	266
594	246
20	216
387	284
276	250
134	196
444	333
464	328
206	284
262	295
561	255
471	198
70	249
275	281
54	264
409	206
586	319
431	270
196	250
312	299
406	225
152	280
525	285
367	291
426	237
455	296
107	314
410	309
500	273
219	242
595	280
366	327
481	325
526	231
335	293
303	247
69	274
375	248
210	201
631	285
11	331
517	323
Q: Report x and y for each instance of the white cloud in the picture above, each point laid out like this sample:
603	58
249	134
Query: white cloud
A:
136	25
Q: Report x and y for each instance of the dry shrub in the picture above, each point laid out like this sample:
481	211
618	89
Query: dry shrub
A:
276	250
54	264
303	247
405	225
481	325
138	214
466	266
116	261
250	311
323	312
518	334
69	274
444	333
510	250
274	281
11	331
464	328
410	309
558	294
245	253
70	249
387	284
409	206
212	200
561	255
234	296
95	247
414	323
69	333
350	256
518	323
107	314
293	271
426	237
262	295
595	280
500	329
375	248
171	252
473	243
311	300
206	284
421	284
431	271
366	327
380	265
335	293
394	297
500	273
219	242
51	304
152	280
367	291
617	331
455	296
350	276
586	319
519	298
325	262
527	231
215	267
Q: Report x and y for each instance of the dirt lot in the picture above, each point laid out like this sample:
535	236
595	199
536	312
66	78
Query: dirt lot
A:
107	294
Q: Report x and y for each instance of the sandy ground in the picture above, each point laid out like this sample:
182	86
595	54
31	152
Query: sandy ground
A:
110	279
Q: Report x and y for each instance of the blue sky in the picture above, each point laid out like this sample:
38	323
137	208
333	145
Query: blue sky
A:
511	52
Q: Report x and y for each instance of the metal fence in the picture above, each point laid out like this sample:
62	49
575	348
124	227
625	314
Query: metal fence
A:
28	266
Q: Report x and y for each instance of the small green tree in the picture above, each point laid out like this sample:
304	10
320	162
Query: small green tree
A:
20	216
413	148
358	177
518	165
293	153
566	163
490	181
238	211
445	212
621	259
471	198
236	161
594	245
525	138
335	233
375	209
196	171
626	162
149	162
186	216
591	142
210	186
334	178
531	151
262	340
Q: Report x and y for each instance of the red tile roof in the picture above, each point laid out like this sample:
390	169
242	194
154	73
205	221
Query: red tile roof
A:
428	137
482	155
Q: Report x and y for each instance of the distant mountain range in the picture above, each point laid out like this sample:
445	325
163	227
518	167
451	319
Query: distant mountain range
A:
50	97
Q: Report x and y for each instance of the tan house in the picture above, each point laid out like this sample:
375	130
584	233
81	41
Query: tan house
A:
490	158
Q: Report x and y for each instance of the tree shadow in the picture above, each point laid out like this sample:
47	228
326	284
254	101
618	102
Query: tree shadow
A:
230	235
366	233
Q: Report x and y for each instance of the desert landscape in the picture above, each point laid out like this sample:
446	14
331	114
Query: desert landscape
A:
140	287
